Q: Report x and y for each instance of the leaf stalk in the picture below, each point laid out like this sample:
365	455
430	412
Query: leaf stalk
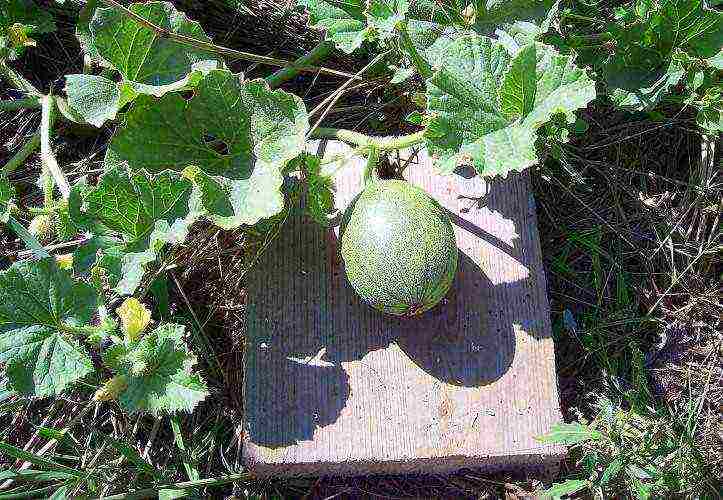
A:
18	104
50	164
365	141
314	56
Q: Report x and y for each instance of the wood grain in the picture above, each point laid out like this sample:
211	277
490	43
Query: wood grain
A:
333	387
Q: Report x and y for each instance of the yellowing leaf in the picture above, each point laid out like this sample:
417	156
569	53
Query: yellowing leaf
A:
65	261
18	35
134	318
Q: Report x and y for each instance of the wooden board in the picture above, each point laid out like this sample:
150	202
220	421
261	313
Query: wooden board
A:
333	387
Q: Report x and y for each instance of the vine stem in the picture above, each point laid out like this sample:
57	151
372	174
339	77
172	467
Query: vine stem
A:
19	158
17	104
365	141
315	55
48	158
218	49
17	80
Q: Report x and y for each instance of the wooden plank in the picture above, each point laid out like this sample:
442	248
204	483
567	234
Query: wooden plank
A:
334	387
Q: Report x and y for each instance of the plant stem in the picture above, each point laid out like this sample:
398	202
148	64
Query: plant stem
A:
201	483
370	170
419	62
365	141
49	162
570	15
17	80
218	49
17	104
315	55
19	158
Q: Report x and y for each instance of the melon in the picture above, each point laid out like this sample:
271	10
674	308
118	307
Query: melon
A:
399	249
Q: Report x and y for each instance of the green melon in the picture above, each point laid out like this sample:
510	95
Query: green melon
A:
399	248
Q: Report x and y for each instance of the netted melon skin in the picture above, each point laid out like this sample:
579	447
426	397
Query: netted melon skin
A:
399	249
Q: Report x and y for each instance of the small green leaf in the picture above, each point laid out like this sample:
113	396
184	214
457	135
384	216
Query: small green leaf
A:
240	134
415	117
155	64
320	191
85	255
517	94
568	434
7	197
343	22
384	16
38	303
565	488
26	12
134	263
19	20
160	374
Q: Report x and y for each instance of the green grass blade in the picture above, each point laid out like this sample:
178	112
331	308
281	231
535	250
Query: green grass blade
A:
21	454
191	469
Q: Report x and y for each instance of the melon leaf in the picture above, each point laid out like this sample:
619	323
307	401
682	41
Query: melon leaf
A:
146	211
39	306
153	64
485	105
649	48
131	204
159	372
95	99
240	134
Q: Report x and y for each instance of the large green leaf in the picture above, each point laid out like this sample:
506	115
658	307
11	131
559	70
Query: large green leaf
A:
236	136
486	105
131	204
343	21
159	372
39	304
154	63
7	195
147	211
